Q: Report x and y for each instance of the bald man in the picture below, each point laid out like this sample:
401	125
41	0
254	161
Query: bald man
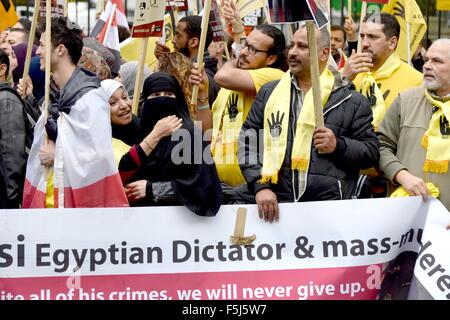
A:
415	132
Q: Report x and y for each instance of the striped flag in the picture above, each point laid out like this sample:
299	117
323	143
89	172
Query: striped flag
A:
85	155
121	18
107	33
8	15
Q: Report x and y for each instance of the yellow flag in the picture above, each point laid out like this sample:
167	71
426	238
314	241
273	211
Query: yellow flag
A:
128	47
407	11
8	16
248	6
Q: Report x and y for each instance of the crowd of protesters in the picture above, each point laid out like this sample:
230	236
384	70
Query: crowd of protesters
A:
249	138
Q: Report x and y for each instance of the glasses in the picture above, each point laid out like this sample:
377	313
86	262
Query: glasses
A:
251	49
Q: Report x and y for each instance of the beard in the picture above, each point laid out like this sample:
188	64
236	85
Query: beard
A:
185	50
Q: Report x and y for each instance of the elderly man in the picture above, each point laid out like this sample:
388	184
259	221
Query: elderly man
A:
296	161
415	132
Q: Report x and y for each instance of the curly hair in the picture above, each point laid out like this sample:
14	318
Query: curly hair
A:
179	66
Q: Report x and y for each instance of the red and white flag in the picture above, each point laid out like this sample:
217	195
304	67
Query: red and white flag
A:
83	153
107	33
121	18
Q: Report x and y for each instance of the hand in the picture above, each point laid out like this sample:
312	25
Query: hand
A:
231	13
160	49
47	154
200	79
25	88
412	184
357	63
136	190
216	50
324	140
350	29
166	126
267	205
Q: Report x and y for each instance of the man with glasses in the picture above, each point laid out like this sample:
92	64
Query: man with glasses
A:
261	60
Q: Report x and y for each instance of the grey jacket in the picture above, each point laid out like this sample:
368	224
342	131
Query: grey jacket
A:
400	136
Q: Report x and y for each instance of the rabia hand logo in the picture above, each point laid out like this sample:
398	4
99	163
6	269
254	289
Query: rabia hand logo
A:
232	104
275	125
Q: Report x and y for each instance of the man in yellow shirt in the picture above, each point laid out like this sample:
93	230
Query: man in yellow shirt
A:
380	75
261	60
377	72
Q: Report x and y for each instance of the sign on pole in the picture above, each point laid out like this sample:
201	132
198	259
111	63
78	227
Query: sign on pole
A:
148	22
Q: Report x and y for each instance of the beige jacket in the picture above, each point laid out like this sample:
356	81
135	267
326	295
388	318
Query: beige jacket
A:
400	136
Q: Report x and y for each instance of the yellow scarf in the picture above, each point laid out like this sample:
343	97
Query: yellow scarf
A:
437	144
369	87
401	192
226	124
276	119
228	119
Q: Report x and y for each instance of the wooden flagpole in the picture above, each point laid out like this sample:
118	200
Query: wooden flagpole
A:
201	46
315	76
363	15
26	68
139	77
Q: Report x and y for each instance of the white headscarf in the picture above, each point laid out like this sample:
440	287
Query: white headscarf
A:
110	86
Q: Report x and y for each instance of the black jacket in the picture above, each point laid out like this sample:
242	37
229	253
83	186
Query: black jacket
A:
330	176
12	144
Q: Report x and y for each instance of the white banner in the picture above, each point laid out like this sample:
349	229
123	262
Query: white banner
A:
318	250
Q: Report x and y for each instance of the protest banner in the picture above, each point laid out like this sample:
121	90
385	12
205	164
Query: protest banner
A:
349	249
148	22
178	5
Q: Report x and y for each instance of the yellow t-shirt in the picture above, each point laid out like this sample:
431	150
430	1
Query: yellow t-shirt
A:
230	109
404	78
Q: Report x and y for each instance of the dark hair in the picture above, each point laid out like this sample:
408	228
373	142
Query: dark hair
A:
391	27
124	33
4	60
194	28
26	26
68	34
278	48
339	28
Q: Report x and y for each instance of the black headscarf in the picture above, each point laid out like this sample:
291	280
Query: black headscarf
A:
160	107
196	183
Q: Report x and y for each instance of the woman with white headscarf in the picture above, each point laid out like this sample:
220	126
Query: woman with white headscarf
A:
125	128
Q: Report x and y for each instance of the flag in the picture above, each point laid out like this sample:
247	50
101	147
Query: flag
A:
8	15
407	11
129	49
296	10
120	14
84	152
248	6
109	37
342	60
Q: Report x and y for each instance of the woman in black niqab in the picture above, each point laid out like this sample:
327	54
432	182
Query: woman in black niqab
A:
174	158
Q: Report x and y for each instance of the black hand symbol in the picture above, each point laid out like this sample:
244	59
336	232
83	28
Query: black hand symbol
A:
232	106
275	126
386	93
444	126
371	95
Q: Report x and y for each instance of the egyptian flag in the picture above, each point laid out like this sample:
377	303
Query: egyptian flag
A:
110	40
84	158
8	16
286	11
103	20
